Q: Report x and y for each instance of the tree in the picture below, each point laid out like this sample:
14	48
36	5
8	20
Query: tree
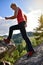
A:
39	30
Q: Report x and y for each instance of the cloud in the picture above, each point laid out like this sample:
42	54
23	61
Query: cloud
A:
35	5
5	24
31	24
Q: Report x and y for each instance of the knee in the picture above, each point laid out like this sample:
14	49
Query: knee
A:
10	28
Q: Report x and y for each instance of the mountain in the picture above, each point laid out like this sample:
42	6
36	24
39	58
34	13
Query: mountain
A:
19	35
17	38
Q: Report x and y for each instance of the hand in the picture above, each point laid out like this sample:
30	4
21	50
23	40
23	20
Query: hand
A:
6	18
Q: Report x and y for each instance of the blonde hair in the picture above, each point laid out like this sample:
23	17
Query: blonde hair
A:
13	4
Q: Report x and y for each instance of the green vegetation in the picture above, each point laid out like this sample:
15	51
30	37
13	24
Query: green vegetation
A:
1	37
20	51
39	31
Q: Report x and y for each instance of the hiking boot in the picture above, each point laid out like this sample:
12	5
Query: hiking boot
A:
7	41
30	53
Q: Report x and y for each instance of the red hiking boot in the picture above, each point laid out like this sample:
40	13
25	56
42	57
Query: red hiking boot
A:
7	41
30	53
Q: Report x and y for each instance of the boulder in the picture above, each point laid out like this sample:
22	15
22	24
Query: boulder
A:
6	48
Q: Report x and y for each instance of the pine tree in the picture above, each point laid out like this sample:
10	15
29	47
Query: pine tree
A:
39	30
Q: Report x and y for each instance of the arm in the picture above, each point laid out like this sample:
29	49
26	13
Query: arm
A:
12	17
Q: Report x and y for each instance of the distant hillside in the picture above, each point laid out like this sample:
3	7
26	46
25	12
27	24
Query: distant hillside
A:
17	38
19	35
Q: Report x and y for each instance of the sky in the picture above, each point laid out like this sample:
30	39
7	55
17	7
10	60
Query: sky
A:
32	8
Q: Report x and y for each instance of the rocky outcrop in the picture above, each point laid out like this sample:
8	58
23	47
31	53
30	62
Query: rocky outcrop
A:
36	59
5	63
6	48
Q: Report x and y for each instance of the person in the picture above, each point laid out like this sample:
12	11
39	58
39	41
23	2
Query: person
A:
22	19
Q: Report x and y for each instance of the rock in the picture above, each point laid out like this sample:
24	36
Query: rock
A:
36	59
5	63
6	48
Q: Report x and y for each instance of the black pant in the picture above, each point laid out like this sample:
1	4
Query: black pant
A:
21	27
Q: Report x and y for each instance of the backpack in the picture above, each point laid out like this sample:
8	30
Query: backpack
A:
25	18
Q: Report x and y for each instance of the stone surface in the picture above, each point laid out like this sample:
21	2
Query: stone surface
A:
5	63
6	48
36	59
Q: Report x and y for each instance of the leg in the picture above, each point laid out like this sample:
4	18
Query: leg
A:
15	27
24	35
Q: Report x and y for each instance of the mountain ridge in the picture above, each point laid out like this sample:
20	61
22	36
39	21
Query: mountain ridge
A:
28	33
